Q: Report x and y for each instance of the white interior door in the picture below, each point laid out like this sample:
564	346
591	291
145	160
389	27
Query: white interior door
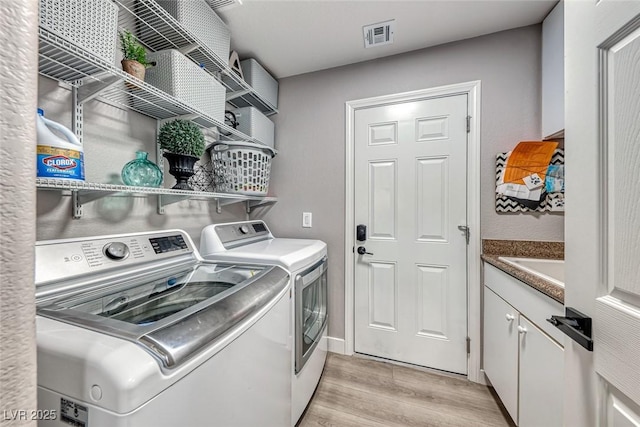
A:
603	215
410	192
617	316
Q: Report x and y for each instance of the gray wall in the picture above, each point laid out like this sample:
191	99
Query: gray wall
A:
309	172
18	77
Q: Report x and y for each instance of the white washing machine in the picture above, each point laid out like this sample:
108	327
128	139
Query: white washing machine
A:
138	330
306	262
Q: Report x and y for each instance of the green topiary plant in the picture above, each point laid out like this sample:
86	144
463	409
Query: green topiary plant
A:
131	49
181	137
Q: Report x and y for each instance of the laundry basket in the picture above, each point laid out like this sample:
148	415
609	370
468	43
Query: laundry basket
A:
241	167
90	24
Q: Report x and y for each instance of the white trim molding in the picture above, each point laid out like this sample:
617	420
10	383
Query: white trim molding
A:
335	345
472	90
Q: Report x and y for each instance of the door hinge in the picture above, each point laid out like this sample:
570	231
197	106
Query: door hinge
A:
468	124
468	345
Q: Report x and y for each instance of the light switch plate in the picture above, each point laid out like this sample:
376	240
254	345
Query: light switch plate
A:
306	219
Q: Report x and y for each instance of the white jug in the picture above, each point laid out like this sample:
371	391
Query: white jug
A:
58	157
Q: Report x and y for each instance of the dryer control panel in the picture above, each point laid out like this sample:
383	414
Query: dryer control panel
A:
218	237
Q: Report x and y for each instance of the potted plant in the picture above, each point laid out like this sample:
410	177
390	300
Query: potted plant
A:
183	144
134	55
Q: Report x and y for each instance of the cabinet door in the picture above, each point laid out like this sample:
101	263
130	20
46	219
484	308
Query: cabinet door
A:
553	72
501	349
541	378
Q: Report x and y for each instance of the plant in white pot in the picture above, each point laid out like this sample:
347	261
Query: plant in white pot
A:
183	144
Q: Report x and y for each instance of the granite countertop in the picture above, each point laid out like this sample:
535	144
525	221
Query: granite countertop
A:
493	249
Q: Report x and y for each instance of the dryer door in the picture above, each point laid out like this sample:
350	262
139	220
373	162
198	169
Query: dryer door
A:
311	310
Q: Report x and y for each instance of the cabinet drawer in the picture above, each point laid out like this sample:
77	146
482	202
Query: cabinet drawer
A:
501	349
533	304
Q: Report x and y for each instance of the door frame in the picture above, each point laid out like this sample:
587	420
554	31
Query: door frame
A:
472	90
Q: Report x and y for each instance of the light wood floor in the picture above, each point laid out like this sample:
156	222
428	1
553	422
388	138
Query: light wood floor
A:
358	392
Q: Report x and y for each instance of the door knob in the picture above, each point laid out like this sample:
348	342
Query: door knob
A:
362	251
509	317
522	330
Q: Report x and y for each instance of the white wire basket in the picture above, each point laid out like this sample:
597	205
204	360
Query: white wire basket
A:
261	81
241	167
255	124
89	24
180	77
198	18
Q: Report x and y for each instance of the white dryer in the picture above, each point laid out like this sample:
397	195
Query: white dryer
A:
138	330
306	262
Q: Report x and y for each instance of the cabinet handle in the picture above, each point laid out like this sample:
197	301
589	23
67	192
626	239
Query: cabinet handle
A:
509	317
522	330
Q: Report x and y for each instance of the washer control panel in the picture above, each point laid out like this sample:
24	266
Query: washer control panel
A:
65	259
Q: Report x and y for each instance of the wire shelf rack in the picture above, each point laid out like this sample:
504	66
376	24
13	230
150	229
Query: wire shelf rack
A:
85	192
163	31
64	61
92	77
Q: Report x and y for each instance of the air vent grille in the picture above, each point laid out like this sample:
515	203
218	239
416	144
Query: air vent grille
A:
379	34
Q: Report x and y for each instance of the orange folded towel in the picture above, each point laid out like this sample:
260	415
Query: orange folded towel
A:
527	158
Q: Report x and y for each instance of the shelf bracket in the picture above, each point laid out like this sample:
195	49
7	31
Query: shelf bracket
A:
76	206
233	95
250	204
169	199
185	50
224	202
92	90
188	117
82	197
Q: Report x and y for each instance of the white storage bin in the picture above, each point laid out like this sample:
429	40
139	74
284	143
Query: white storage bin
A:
198	18
240	167
178	76
253	123
258	78
89	24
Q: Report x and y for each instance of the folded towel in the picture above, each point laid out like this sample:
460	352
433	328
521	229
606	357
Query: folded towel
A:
554	182
528	158
517	191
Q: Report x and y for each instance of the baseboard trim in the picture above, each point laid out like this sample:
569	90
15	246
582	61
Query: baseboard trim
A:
335	345
482	379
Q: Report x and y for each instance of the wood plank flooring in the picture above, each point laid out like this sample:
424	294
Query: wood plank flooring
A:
358	392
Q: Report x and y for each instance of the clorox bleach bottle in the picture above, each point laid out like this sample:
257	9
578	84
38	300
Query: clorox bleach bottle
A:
57	157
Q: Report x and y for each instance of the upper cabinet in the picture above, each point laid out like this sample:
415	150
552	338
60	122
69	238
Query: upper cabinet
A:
553	73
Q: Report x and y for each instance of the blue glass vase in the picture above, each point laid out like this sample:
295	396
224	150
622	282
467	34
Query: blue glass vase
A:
141	172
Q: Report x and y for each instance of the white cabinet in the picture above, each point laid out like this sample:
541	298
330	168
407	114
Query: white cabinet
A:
501	349
522	355
553	73
541	377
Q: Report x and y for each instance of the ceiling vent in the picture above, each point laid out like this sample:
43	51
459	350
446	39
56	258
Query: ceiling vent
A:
379	34
221	5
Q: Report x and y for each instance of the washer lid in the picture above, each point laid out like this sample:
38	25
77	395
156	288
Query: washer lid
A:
176	313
